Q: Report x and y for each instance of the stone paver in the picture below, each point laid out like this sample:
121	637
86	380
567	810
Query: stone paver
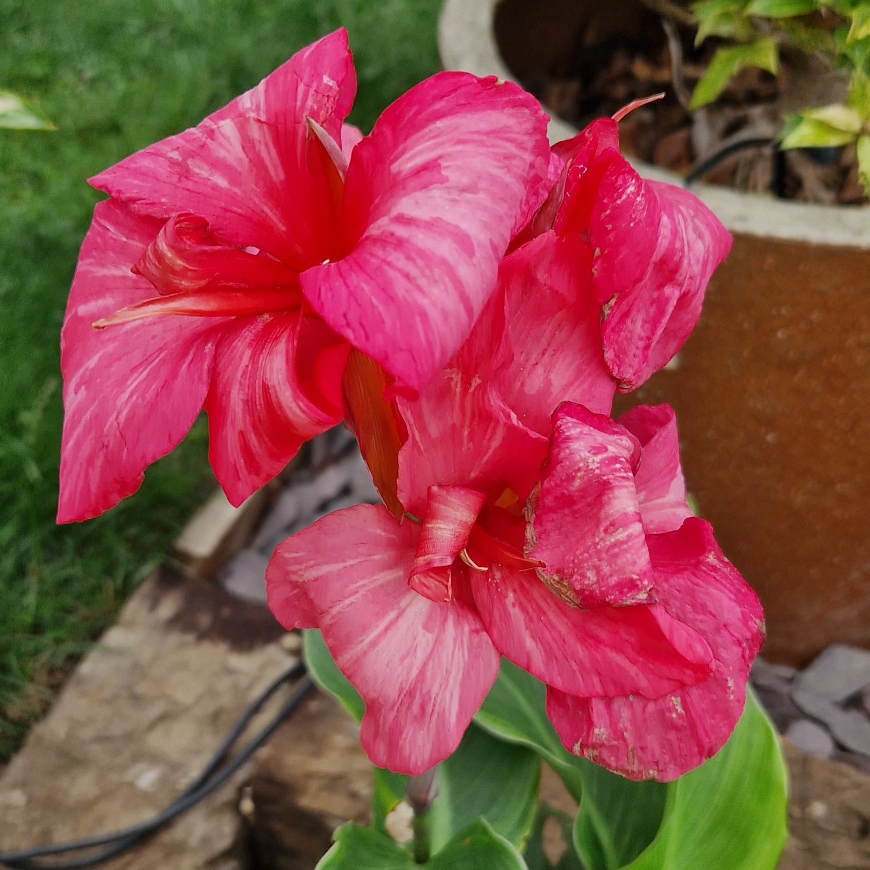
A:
137	721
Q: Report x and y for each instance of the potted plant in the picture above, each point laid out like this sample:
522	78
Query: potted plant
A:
770	391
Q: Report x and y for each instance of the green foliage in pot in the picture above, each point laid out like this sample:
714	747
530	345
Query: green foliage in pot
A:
837	31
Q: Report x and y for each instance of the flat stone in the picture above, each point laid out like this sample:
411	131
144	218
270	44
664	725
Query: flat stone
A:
779	706
811	738
771	676
245	575
850	728
838	673
137	721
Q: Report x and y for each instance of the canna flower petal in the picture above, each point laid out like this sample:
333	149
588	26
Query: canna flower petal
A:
549	346
262	405
450	514
655	247
422	668
130	400
607	651
664	738
250	169
661	490
432	199
587	526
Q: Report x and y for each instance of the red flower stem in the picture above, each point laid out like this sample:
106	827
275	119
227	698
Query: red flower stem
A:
421	793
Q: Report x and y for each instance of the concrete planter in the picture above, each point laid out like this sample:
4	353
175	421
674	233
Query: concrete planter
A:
772	391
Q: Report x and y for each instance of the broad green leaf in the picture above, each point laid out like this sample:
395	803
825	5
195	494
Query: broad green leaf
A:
727	62
515	710
837	115
801	131
534	852
722	18
326	674
864	162
730	813
490	778
478	847
619	818
781	8
17	114
860	28
859	94
358	848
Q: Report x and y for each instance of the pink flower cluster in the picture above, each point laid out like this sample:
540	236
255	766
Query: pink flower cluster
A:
468	301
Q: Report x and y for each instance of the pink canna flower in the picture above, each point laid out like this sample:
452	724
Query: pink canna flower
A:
654	248
239	265
536	539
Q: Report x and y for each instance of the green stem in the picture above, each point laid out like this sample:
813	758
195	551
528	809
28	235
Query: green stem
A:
422	791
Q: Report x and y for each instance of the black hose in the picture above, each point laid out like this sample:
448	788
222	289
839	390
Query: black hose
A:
208	781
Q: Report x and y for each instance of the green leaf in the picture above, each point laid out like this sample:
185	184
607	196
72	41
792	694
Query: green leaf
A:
17	114
618	818
859	94
781	8
515	709
534	852
804	131
727	62
490	778
864	162
326	674
860	28
730	813
358	848
478	847
722	18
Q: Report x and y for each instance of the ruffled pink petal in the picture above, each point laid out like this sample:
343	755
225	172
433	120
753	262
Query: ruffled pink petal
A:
652	316
432	199
130	392
422	668
661	490
606	651
664	738
350	137
450	513
587	528
253	170
550	350
184	258
260	410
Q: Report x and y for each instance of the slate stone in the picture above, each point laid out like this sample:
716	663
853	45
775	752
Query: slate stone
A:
779	706
771	676
850	728
837	674
812	738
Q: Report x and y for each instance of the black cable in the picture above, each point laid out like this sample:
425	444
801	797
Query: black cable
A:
204	785
715	159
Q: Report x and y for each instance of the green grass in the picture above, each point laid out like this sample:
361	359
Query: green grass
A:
116	75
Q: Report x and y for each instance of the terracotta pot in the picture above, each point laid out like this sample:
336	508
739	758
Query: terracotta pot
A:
772	391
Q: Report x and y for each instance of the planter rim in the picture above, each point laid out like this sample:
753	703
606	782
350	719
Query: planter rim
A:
466	41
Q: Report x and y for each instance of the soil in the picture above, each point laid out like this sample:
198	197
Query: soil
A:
585	59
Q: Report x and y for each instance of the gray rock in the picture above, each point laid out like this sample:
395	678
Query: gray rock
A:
779	706
245	576
811	738
770	676
837	674
850	728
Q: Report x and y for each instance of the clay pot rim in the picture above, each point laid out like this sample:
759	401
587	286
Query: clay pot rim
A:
466	41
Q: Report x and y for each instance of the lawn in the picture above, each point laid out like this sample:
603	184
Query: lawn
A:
116	75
